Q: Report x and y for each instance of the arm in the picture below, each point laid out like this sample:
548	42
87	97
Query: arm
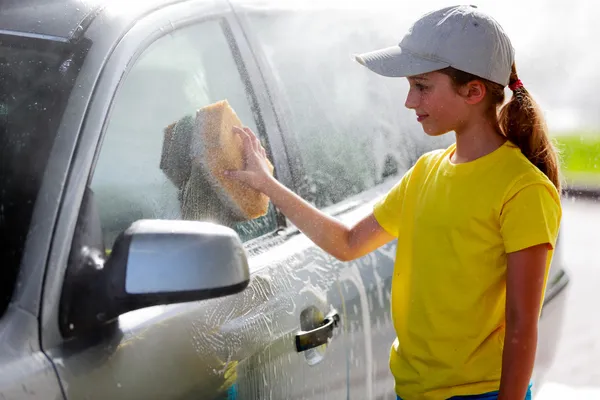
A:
524	287
331	235
328	233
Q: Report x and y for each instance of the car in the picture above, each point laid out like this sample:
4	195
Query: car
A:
108	290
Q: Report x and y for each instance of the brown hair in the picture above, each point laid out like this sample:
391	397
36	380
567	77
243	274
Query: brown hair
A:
520	120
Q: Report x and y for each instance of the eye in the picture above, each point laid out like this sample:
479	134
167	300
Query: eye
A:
421	87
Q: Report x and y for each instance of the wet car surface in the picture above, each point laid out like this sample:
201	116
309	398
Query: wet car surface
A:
92	89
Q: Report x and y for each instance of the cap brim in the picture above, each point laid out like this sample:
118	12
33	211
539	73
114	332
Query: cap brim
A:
395	62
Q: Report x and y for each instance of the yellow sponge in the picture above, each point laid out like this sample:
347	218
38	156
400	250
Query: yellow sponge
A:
196	152
215	148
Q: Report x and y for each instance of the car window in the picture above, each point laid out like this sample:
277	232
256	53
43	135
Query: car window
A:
36	77
351	127
174	77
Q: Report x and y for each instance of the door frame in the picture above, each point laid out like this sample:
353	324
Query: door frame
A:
117	44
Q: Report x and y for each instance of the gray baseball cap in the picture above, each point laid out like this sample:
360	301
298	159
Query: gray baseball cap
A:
461	37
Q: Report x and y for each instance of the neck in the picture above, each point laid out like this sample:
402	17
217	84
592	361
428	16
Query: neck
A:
477	140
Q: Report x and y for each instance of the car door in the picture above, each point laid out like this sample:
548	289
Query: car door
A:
280	338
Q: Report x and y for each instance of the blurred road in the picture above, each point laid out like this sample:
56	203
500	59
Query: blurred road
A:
575	372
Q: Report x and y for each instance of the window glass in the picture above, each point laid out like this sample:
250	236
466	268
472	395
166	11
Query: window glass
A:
350	125
36	78
173	78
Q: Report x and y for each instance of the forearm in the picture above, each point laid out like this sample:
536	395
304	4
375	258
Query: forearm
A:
518	360
326	232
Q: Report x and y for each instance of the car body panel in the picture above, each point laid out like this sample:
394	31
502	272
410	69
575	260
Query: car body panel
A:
25	371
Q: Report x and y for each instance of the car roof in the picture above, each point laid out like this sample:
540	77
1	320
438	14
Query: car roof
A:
54	19
66	20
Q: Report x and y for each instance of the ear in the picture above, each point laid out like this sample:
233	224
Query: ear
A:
473	92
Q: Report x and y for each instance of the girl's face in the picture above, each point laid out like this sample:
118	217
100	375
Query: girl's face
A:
439	106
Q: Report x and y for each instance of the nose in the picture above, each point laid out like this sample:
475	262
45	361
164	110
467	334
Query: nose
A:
412	99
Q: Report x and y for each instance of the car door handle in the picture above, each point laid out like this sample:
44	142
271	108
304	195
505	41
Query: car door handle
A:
306	340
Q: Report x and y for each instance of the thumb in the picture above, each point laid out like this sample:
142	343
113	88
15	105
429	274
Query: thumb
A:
238	175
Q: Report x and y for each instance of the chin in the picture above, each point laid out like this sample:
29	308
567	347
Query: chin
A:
430	131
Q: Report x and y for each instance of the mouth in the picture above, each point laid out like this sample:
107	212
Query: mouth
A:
421	117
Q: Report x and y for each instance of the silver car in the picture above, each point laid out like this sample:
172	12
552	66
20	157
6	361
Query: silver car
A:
106	291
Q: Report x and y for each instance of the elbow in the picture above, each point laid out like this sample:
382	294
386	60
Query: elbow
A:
521	323
344	256
339	245
348	249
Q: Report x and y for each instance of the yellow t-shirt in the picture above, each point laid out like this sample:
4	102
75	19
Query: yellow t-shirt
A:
455	224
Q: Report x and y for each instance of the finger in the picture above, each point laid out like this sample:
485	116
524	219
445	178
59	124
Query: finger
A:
263	151
243	133
249	131
246	138
236	175
255	141
240	131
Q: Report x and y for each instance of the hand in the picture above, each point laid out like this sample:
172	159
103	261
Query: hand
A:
256	172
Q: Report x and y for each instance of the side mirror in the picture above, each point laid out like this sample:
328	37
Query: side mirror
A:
153	262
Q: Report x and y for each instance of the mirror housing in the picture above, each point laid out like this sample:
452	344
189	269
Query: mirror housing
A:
153	262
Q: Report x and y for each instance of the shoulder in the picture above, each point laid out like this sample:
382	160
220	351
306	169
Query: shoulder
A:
525	175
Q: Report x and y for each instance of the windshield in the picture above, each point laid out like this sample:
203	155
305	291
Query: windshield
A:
36	77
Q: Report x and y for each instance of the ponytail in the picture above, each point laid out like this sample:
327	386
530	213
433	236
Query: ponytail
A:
522	122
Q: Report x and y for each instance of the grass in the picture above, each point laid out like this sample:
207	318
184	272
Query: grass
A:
580	157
